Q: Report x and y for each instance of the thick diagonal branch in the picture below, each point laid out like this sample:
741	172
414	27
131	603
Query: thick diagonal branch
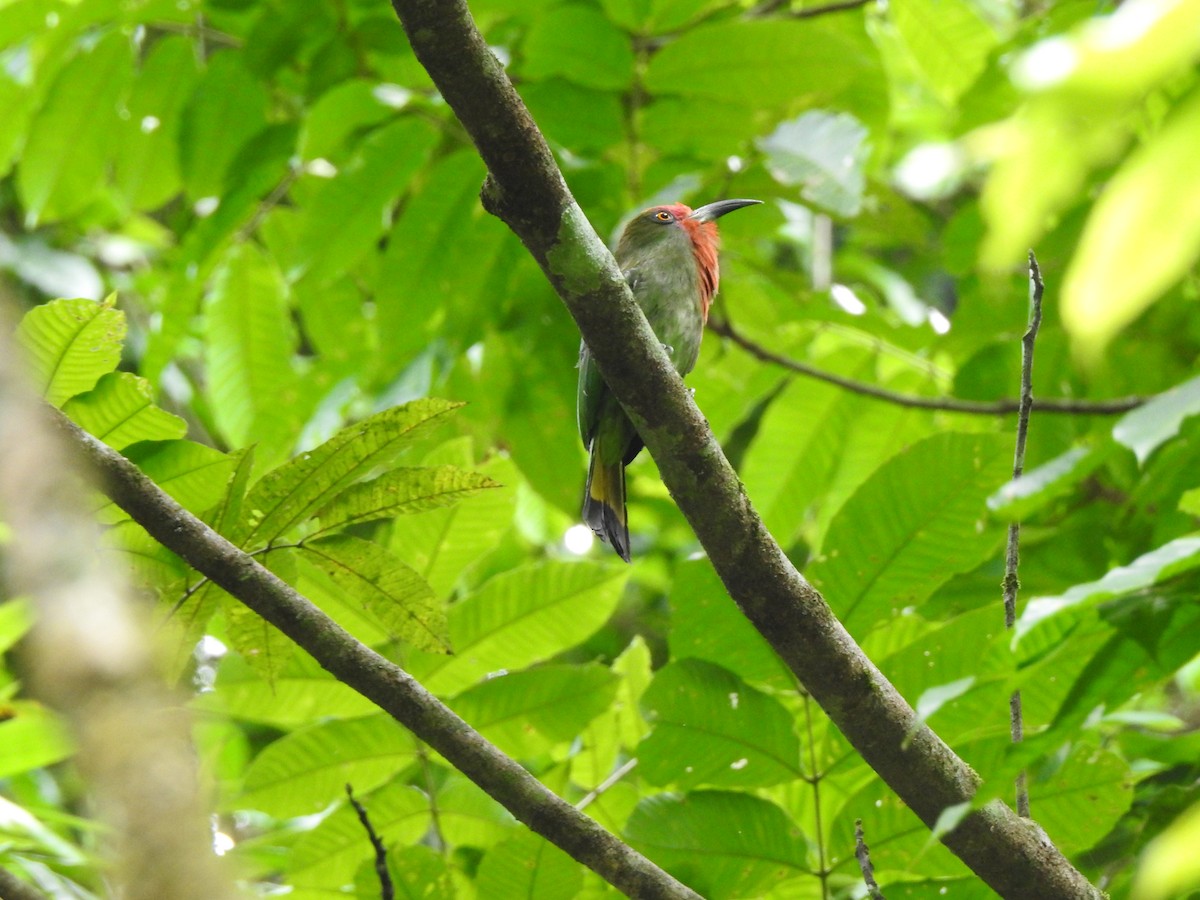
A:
527	191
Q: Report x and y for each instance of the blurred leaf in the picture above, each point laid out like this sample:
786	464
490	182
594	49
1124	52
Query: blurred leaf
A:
1170	866
227	108
468	816
70	344
1141	237
1038	488
120	411
949	42
708	727
66	154
395	596
1079	800
905	532
336	115
32	736
556	104
721	844
528	866
400	492
303	772
657	16
824	154
579	44
250	342
1046	619
1148	427
359	198
292	493
525	713
521	617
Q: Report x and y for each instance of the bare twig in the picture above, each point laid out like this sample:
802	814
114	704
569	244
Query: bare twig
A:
91	655
863	853
624	769
379	680
726	329
1012	556
386	890
526	190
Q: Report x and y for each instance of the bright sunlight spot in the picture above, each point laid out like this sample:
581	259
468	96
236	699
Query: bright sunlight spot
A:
847	299
938	321
578	539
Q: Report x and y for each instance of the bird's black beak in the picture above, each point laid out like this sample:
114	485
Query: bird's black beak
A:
711	211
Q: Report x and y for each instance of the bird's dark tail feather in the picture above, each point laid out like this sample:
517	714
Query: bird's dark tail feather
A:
604	504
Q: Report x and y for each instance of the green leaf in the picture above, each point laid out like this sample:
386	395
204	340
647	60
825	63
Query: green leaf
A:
256	640
555	105
468	816
328	856
31	737
16	102
824	154
521	617
146	164
193	474
70	344
579	44
120	411
400	492
911	526
248	353
442	544
525	713
300	693
394	595
359	198
706	624
1047	619
657	16
528	866
62	168
711	728
1080	799
948	41
226	109
721	844
1145	429
341	111
16	618
292	493
1140	216
303	772
1038	488
1170	866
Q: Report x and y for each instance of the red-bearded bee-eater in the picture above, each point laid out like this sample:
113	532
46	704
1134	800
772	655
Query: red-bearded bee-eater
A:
668	255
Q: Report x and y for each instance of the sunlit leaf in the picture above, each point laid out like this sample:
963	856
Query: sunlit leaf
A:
1148	427
400	492
579	44
120	411
824	154
1039	487
527	865
70	344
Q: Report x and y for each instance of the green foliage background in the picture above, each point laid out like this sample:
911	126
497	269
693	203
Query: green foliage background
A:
287	215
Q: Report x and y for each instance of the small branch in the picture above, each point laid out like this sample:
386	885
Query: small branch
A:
435	817
947	404
628	766
863	852
386	890
1012	556
814	779
378	679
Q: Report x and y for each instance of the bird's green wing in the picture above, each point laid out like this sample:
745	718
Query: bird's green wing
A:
590	396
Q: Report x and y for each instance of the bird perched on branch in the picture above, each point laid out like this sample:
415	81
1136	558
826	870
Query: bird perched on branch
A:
668	255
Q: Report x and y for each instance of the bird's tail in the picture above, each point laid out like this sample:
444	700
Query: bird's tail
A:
604	502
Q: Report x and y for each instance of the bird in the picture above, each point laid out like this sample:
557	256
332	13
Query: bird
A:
668	255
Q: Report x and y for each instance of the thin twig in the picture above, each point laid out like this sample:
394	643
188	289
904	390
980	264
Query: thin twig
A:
435	817
810	12
386	890
1012	555
1005	407
863	852
591	796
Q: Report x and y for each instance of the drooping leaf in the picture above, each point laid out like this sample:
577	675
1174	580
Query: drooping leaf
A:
70	344
1039	487
526	713
824	154
249	347
63	166
919	520
1145	429
520	617
303	772
711	728
402	491
294	492
722	844
120	411
527	865
393	594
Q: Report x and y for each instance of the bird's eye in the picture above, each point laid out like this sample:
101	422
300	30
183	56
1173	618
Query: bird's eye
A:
663	216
